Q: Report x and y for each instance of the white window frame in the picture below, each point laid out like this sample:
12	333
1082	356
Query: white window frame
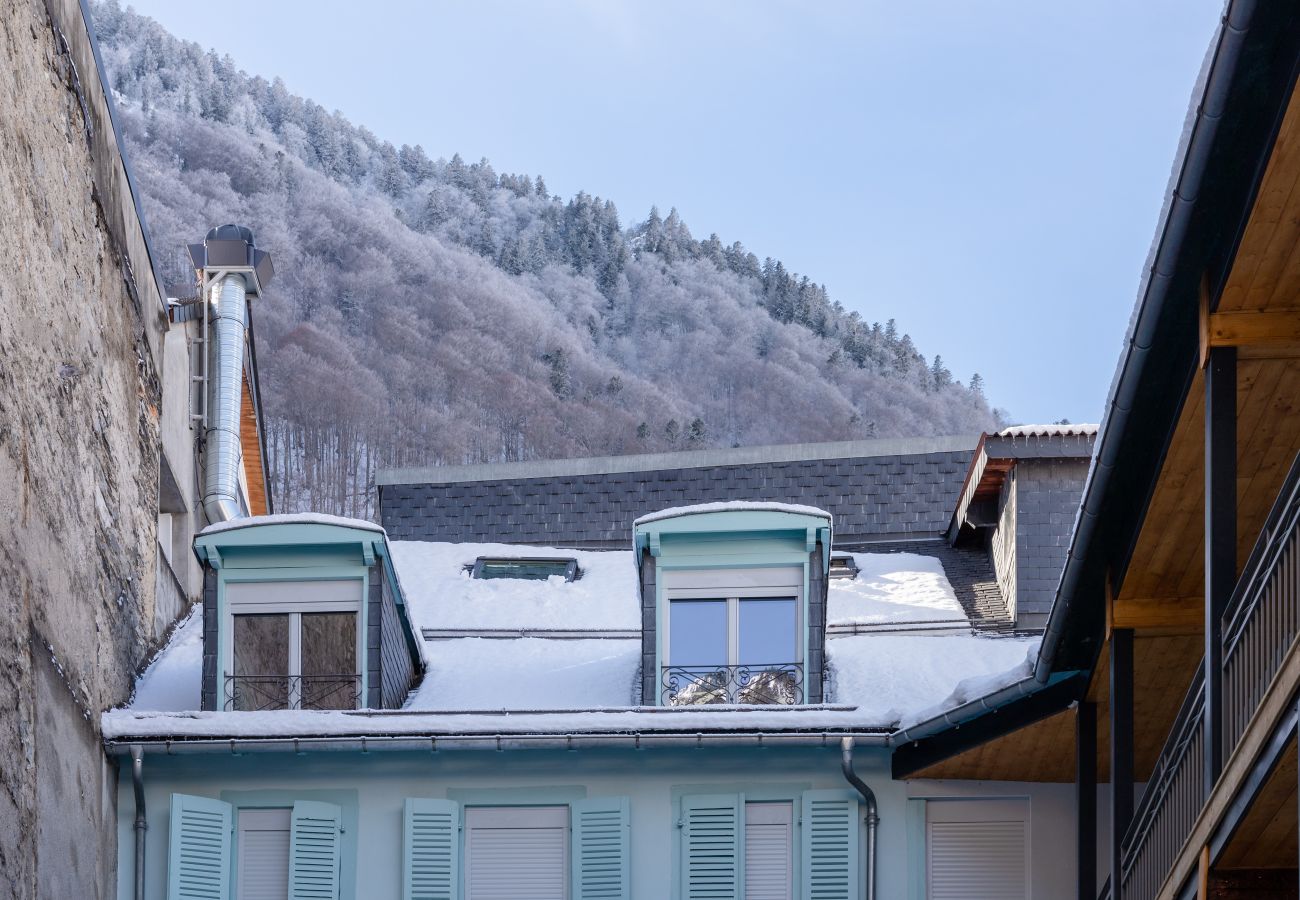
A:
980	811
732	586
294	609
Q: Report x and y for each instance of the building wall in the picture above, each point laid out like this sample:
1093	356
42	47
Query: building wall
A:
1002	546
1048	493
81	327
379	782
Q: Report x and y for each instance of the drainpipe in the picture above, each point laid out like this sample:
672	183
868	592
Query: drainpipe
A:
141	821
873	819
231	272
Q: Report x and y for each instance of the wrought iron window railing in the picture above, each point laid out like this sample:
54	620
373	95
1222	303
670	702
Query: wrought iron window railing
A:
252	693
774	683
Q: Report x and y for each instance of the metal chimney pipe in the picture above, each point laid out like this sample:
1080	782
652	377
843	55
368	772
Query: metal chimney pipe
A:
231	271
224	453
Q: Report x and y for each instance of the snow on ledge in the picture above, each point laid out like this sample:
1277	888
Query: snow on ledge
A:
291	519
732	506
124	724
1048	430
977	686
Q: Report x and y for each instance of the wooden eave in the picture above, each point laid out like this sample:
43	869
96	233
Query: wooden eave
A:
1159	591
250	442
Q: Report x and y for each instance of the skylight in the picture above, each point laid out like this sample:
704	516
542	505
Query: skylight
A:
527	568
843	566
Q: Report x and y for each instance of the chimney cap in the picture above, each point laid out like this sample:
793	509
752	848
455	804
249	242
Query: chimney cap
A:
229	249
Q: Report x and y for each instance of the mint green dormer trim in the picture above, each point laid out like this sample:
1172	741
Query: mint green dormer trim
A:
290	550
733	552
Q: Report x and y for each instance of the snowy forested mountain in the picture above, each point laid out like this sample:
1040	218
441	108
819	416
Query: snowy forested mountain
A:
432	311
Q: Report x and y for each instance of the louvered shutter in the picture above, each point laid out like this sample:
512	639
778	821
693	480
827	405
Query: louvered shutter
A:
711	847
198	851
976	860
829	822
600	849
430	850
315	845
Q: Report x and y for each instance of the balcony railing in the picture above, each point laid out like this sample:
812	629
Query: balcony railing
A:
1260	625
1171	802
1263	617
775	683
253	693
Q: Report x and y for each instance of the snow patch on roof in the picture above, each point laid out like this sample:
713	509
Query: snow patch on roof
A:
1048	430
291	519
528	674
172	681
440	594
979	685
893	588
893	678
732	506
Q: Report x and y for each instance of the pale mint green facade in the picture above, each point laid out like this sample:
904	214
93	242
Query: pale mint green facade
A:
374	793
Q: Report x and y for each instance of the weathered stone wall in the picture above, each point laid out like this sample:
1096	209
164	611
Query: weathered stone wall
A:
80	332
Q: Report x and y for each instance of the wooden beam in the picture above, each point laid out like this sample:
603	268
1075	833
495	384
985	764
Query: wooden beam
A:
1161	615
1203	875
1253	328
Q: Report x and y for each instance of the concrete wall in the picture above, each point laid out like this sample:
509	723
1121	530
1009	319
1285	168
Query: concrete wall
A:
380	781
81	420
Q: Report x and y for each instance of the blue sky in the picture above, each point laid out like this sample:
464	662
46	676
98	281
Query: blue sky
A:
989	174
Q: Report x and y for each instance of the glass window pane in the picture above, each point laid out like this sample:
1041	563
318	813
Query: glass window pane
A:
329	661
767	631
531	569
697	632
261	656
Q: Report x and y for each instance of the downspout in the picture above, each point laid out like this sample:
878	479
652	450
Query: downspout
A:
223	451
141	821
872	818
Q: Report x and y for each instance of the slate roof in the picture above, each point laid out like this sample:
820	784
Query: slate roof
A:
875	490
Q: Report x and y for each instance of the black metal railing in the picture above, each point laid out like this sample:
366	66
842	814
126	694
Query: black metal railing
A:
253	693
775	683
1260	625
1171	802
1263	617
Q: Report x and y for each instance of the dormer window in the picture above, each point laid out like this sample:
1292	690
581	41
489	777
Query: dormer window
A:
738	649
293	645
843	565
733	599
528	568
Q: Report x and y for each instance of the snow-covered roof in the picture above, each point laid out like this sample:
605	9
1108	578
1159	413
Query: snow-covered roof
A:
732	506
1047	430
877	680
291	519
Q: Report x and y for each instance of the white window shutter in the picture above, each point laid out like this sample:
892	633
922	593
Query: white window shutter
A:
829	821
976	860
514	852
315	850
712	847
769	851
600	849
430	849
198	851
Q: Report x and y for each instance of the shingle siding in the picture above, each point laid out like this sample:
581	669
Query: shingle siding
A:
868	496
208	690
397	669
1048	492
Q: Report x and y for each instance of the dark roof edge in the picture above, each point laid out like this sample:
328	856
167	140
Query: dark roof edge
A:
681	459
1209	106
